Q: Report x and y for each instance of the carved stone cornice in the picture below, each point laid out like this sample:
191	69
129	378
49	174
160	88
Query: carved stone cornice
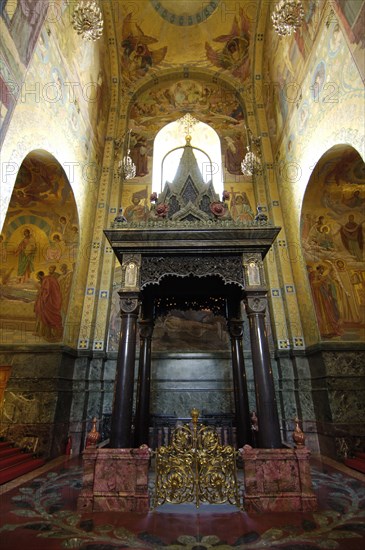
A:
190	224
195	238
154	268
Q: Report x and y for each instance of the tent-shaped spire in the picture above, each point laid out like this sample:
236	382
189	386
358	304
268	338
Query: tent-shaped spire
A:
188	197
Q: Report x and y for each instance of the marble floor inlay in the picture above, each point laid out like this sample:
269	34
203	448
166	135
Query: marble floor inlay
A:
41	514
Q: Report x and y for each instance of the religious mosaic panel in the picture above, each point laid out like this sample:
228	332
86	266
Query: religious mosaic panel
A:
21	23
333	243
292	87
39	247
152	34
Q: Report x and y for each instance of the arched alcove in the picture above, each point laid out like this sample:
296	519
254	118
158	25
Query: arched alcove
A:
39	247
332	237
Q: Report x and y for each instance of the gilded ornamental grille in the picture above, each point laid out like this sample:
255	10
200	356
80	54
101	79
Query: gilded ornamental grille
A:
196	468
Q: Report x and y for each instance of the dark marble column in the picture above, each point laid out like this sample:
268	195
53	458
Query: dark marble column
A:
244	434
268	420
142	420
121	427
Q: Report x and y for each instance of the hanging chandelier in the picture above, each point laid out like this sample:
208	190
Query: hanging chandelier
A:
87	20
287	16
251	164
126	167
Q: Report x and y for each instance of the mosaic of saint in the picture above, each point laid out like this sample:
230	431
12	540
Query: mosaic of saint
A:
333	243
39	246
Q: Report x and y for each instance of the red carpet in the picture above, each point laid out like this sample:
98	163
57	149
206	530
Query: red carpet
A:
14	462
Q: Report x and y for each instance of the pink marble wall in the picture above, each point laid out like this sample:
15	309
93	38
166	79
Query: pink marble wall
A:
277	480
115	480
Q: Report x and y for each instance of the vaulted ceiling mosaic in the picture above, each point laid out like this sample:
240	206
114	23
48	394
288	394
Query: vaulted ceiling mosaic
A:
186	56
167	36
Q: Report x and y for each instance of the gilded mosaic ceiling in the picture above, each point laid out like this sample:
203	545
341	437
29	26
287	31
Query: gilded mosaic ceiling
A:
164	36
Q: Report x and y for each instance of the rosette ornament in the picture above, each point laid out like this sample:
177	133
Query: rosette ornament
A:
162	209
218	209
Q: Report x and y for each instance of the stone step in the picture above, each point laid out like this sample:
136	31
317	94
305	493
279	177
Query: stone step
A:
8	474
357	464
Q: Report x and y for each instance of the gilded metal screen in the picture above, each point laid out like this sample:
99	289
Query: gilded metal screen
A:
196	468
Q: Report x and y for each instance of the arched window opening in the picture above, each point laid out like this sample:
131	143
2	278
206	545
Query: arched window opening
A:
173	135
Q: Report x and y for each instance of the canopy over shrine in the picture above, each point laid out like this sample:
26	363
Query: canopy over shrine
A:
190	254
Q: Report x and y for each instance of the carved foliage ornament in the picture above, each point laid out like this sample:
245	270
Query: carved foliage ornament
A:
155	268
87	20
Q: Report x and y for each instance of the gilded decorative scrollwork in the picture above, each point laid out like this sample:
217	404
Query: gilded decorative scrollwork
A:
154	268
196	468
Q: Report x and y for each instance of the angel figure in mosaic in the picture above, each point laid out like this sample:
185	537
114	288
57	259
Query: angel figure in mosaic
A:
234	56
137	56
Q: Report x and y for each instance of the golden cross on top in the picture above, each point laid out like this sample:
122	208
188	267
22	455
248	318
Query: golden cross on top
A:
188	121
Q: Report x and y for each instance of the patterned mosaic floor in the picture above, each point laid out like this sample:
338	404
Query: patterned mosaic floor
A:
41	514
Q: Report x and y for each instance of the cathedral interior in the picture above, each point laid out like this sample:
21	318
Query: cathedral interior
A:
192	166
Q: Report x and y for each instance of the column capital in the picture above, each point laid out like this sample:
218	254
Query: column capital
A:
146	328
235	328
129	302
255	303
